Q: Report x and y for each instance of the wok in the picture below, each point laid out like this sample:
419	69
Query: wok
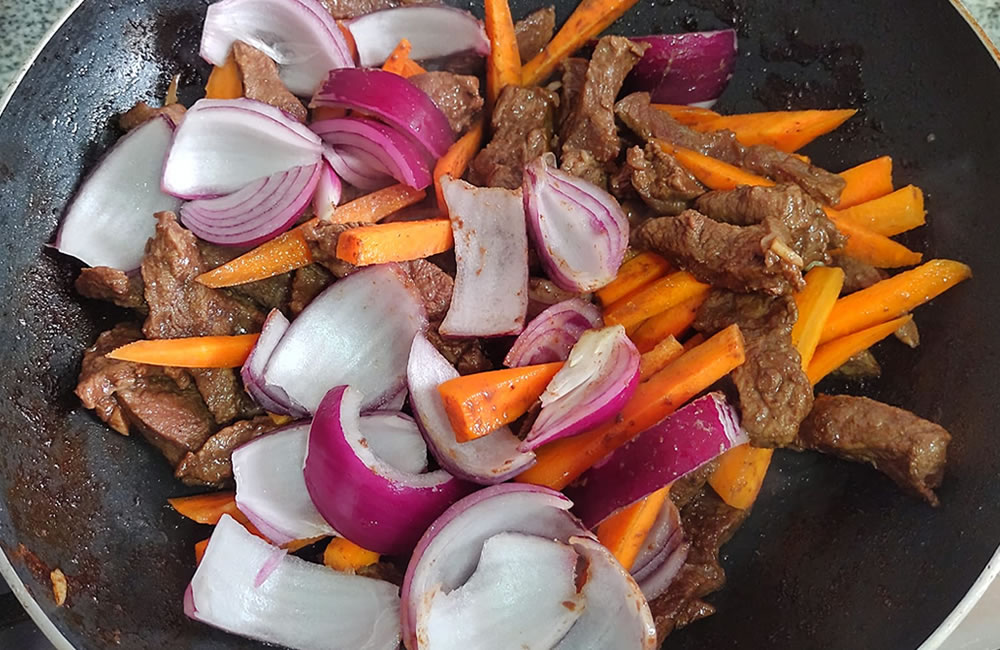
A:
833	556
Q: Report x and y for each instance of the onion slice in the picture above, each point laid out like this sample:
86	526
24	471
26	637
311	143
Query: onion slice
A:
329	191
691	437
400	156
357	331
270	397
551	335
579	230
487	460
111	216
248	587
299	35
257	212
370	502
395	438
691	68
601	374
662	554
491	252
357	167
433	31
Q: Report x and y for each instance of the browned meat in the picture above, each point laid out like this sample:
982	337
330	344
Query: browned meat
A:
343	9
582	164
543	293
906	448
522	131
100	377
212	464
574	74
143	112
739	258
908	334
465	354
262	83
322	236
267	294
456	95
689	486
660	180
118	287
307	283
820	184
434	286
534	31
861	366
857	274
222	390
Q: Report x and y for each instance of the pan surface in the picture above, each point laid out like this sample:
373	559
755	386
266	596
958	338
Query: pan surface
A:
833	556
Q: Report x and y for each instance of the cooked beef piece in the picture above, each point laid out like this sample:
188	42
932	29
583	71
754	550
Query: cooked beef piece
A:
857	274
434	286
270	293
620	182
582	164
344	9
383	571
307	283
543	293
106	283
143	112
660	180
321	235
101	377
689	486
522	131
212	464
861	366
574	74
740	258
647	122
262	83
708	523
464	63
456	95
534	31
223	392
906	448
465	354
811	233
908	334
774	393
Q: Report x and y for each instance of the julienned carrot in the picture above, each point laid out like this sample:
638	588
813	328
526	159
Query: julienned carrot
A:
655	360
637	272
563	461
834	354
669	322
377	205
740	474
345	555
872	248
193	352
399	241
888	215
399	61
815	302
624	532
481	403
715	174
199	550
867	181
688	115
654	298
589	19
503	65
892	297
208	509
225	81
694	341
455	161
785	130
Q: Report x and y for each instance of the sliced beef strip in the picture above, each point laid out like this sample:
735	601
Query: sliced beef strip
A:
534	31
857	274
307	283
456	95
112	285
574	74
465	354
765	160
322	238
212	464
660	181
688	487
270	293
523	120
100	377
344	9
582	164
434	286
262	83
908	449
143	112
739	258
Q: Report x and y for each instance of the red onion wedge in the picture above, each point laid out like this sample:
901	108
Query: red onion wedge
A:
404	159
692	68
692	436
271	490
300	35
487	460
357	167
663	553
111	216
392	99
395	438
601	374
272	398
357	331
329	192
248	587
256	213
223	145
370	502
491	252
580	231
552	334
433	30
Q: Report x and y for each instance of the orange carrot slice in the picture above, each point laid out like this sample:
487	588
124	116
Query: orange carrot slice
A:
656	359
873	248
399	61
835	353
225	81
788	131
399	241
503	65
653	299
865	182
634	274
888	215
208	509
193	352
623	533
688	115
673	321
738	478
715	174
345	555
456	160
199	550
815	302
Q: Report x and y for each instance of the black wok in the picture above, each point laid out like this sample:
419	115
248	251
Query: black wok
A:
834	555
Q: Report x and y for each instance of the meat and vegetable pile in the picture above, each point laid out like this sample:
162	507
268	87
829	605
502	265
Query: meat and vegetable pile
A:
494	328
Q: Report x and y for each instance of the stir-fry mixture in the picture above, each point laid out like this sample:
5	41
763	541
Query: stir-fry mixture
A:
493	327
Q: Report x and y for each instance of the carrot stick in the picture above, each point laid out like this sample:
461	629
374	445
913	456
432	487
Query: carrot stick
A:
399	61
225	81
656	359
344	555
192	352
481	403
208	509
199	550
349	37
455	161
740	474
871	247
788	131
815	302
865	182
892	297
378	205
673	321
503	65
654	298
693	342
561	462
688	115
633	274
399	241
320	113
624	532
834	354
589	19
715	174
888	215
